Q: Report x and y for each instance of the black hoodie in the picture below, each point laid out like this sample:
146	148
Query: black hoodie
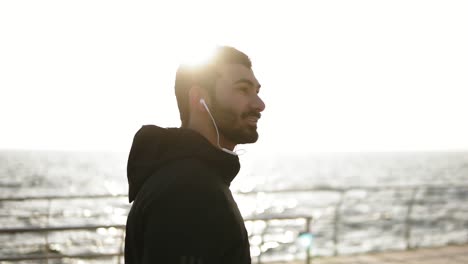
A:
183	211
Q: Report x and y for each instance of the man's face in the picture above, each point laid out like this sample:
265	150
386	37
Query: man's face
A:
236	105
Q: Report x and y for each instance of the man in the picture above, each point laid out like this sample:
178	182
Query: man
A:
183	210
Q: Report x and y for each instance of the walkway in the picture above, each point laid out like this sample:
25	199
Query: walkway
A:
442	255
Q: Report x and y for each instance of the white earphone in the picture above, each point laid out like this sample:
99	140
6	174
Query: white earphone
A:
202	101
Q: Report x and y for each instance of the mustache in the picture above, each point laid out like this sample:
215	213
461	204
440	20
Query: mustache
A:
252	113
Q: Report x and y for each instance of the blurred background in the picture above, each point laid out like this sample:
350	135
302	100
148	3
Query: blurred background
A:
362	147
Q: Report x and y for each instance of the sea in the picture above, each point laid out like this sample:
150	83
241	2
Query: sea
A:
295	205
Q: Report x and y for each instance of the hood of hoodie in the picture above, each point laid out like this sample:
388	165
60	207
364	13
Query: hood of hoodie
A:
154	147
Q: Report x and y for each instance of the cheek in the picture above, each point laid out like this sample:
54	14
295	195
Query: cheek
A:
235	112
234	103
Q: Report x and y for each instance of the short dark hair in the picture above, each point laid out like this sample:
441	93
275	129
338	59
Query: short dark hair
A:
204	75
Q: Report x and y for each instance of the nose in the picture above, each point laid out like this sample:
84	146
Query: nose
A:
258	104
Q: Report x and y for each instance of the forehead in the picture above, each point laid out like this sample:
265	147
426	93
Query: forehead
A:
234	72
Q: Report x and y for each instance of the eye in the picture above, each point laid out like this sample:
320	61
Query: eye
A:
244	89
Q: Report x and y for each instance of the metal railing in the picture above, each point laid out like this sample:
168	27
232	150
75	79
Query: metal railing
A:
337	219
46	254
45	230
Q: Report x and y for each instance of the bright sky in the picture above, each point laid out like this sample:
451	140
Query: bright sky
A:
336	75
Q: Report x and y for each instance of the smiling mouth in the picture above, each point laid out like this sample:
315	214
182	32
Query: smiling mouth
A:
252	119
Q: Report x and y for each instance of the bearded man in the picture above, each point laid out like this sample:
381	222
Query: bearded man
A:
183	210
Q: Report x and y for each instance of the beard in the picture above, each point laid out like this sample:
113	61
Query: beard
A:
232	125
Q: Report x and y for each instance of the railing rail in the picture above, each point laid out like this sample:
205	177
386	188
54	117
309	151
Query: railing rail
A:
61	256
15	230
254	192
60	197
48	255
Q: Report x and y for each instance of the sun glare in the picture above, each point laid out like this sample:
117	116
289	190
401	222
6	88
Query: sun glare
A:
194	55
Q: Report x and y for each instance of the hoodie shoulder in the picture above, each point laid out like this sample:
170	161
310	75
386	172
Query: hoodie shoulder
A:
155	147
179	177
148	144
149	130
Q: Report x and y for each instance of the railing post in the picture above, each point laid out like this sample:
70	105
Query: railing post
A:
408	218
122	245
336	223
308	221
47	247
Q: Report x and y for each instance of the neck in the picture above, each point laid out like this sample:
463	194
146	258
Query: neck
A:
208	130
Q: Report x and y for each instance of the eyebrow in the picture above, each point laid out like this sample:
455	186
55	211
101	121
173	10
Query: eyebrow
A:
247	81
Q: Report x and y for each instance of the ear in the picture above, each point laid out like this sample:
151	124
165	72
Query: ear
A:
195	94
